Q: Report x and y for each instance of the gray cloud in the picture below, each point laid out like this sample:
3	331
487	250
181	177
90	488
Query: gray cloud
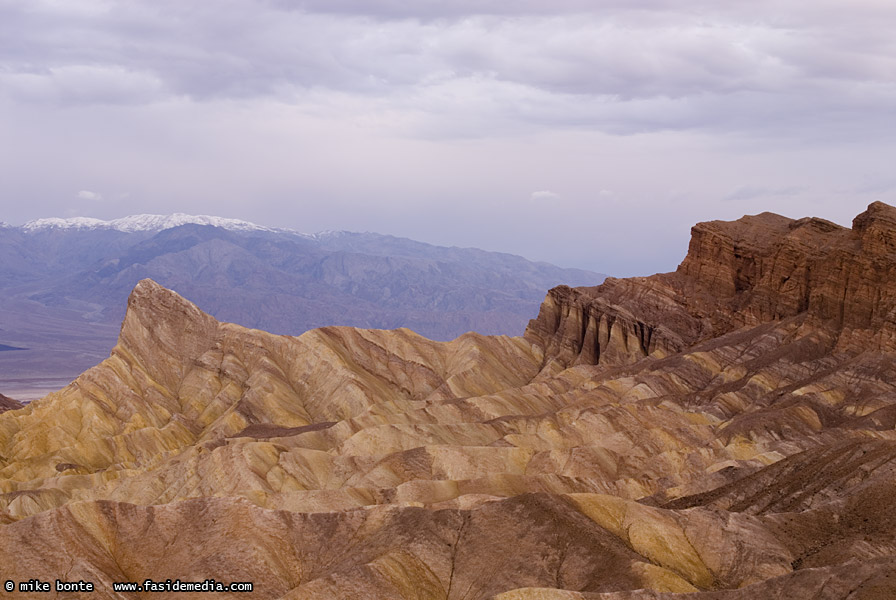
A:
875	185
751	192
88	195
434	119
544	196
612	66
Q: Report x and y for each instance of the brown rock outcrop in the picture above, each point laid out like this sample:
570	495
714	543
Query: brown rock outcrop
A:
725	431
7	403
754	270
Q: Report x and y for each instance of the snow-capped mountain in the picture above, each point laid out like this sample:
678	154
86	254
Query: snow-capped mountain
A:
136	223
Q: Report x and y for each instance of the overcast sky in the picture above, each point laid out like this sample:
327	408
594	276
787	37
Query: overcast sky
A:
585	133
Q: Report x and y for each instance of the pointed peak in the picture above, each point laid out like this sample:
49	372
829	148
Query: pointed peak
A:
149	287
149	298
164	331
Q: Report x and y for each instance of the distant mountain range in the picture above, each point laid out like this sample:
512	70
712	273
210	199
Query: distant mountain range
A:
64	283
137	223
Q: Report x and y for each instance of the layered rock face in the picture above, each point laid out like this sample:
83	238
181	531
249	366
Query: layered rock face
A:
759	269
726	431
7	403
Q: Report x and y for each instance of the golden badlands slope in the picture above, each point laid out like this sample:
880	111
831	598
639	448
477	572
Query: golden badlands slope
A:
724	431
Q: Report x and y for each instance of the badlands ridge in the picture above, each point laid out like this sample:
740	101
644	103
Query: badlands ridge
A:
726	431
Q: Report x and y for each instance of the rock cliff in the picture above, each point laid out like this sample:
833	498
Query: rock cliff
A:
725	431
755	270
7	403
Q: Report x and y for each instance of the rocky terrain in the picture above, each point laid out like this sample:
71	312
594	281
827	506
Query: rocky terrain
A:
726	431
64	284
8	403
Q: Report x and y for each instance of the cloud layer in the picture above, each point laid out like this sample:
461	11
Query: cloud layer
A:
613	66
184	101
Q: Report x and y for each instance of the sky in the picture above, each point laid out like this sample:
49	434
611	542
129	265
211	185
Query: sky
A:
591	134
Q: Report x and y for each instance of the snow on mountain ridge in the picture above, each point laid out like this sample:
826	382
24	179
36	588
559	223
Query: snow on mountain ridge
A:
57	223
135	223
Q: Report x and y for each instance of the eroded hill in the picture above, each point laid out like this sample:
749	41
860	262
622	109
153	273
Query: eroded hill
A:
726	430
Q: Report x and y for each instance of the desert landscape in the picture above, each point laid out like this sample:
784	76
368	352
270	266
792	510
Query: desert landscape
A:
723	431
64	285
